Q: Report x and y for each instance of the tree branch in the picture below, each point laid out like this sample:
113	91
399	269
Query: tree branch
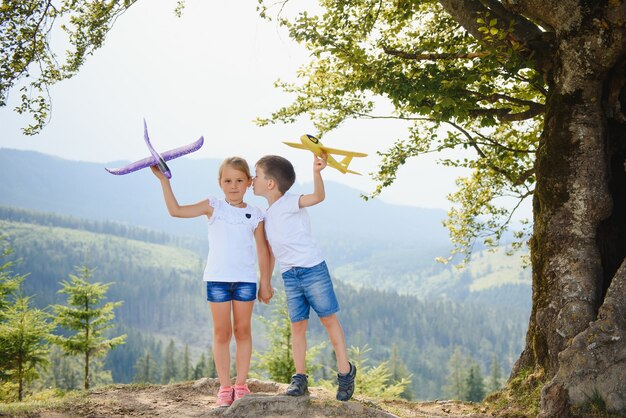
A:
505	115
495	168
523	29
491	141
524	32
534	108
433	56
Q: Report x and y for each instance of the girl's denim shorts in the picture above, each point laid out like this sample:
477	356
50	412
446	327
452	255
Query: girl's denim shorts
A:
227	291
309	287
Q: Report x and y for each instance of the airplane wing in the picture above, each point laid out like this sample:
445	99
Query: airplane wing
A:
335	151
296	145
167	155
185	149
137	165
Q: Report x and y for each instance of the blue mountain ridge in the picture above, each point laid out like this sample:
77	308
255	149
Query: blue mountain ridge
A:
367	243
41	182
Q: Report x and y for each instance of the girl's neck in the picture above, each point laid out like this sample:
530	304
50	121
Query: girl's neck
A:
235	204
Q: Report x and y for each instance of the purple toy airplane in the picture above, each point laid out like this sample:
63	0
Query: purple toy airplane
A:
156	158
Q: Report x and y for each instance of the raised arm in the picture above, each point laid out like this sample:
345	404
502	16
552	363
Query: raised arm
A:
318	195
186	211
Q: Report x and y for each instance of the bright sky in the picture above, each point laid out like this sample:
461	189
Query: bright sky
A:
208	73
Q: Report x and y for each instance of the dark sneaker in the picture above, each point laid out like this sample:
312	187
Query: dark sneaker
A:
346	384
299	385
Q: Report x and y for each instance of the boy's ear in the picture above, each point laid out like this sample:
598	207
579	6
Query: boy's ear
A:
271	184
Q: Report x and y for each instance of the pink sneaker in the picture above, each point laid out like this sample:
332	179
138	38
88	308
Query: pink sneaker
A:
241	391
225	396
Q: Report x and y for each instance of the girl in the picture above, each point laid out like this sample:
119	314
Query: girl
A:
230	271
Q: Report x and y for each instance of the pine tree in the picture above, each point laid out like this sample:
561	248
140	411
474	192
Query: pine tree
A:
495	375
9	282
64	372
146	369
24	335
210	370
455	386
185	367
372	381
399	372
278	360
475	388
88	318
170	370
198	371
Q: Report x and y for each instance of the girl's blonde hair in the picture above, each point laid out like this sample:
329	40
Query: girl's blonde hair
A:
237	163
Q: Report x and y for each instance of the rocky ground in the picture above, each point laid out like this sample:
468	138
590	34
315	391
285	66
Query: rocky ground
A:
196	399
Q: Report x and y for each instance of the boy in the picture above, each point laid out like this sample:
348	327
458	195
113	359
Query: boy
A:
307	281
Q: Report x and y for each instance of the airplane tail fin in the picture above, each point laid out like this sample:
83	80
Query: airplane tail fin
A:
346	161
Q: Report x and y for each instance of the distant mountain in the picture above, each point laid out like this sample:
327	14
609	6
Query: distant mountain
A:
37	181
371	244
348	228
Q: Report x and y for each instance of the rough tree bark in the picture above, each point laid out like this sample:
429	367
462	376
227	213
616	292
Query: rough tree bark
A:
577	330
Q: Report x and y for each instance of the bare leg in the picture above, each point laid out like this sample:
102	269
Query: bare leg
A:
242	314
222	332
338	340
298	343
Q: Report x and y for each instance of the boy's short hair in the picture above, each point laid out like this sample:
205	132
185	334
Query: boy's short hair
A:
278	169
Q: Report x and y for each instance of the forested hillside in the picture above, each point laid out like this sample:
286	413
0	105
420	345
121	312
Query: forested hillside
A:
164	299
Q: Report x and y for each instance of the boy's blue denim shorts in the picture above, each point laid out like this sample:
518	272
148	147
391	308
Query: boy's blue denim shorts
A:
227	291
309	287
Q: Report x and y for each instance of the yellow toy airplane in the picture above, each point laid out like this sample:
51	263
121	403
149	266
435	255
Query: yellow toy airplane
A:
315	146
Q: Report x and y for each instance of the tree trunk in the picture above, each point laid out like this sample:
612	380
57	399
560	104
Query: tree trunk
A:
86	379
577	330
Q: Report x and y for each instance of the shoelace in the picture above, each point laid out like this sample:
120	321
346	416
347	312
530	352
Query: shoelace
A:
225	394
344	381
241	391
298	379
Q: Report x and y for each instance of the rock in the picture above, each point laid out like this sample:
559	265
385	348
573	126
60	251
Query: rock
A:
298	406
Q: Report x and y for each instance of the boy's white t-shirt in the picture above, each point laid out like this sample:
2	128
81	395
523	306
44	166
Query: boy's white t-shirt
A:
288	230
232	248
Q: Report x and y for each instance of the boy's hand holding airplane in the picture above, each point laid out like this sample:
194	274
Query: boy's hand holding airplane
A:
319	162
311	143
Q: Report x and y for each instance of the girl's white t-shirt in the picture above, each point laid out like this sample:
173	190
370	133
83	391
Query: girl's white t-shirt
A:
288	230
232	248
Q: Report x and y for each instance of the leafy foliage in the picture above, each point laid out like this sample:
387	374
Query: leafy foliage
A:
26	51
459	89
